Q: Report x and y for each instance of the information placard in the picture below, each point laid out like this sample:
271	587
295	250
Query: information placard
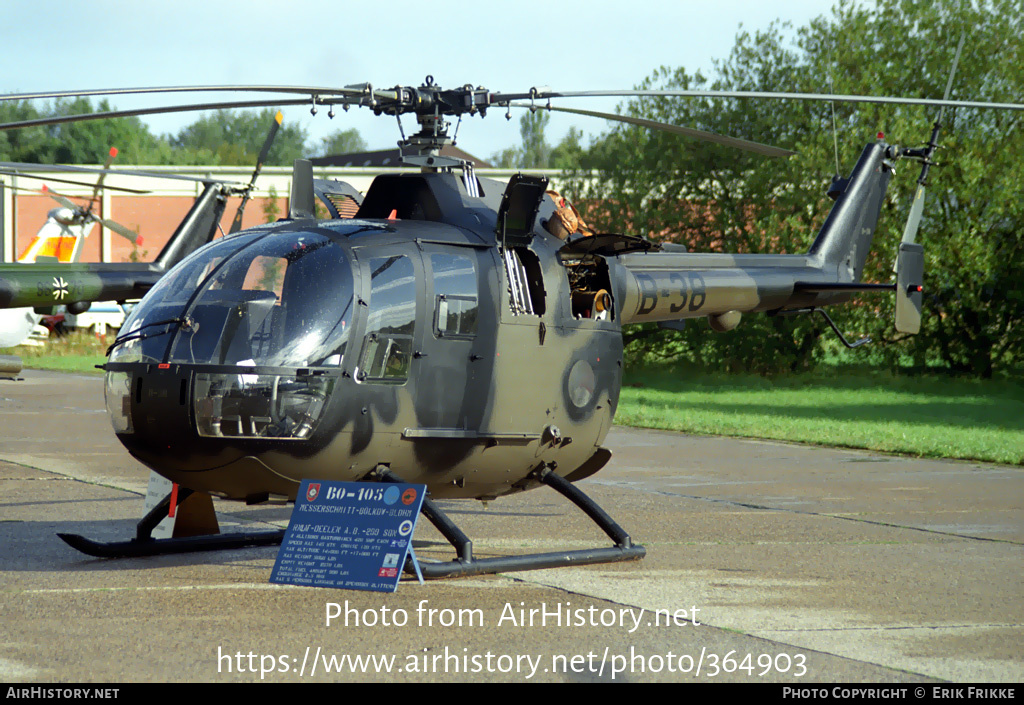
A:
352	535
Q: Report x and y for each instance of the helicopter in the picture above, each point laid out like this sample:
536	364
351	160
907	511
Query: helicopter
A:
49	273
60	239
452	333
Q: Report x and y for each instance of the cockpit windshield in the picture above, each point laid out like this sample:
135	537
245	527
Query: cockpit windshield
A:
282	300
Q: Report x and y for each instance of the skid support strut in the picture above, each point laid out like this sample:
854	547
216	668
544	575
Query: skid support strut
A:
145	545
466	564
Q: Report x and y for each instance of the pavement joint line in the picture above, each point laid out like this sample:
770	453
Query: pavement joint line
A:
905	627
749	505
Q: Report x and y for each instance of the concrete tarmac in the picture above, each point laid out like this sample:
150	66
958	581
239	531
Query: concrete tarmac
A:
769	561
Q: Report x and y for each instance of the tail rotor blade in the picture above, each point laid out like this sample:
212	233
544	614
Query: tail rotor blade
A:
914	219
925	155
236	224
913	222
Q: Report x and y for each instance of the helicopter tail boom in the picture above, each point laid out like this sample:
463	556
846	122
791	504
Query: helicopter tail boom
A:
845	238
677	285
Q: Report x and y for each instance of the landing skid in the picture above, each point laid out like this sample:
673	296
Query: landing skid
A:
463	565
145	545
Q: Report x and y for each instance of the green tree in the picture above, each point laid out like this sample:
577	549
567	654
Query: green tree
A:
570	153
271	210
86	142
534	151
89	142
236	137
506	158
32	144
342	142
711	198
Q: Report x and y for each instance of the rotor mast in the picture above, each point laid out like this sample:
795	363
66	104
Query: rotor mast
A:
431	105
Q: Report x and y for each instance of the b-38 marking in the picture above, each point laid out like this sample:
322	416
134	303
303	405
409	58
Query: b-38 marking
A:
683	291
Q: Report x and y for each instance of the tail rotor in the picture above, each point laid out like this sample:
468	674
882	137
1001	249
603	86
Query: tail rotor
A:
909	265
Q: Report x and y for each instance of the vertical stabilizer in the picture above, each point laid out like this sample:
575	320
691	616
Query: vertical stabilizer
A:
302	201
845	237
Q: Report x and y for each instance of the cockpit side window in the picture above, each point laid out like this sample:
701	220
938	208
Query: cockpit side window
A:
455	296
387	352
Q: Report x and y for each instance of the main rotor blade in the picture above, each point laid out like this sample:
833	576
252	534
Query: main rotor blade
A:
364	90
236	224
504	98
62	119
304	90
746	145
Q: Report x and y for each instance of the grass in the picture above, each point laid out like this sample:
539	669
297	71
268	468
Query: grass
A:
926	416
933	416
75	352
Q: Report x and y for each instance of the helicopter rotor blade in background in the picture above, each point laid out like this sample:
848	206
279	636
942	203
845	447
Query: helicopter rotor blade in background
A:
103	175
22	175
236	224
746	145
909	265
128	234
66	202
87	215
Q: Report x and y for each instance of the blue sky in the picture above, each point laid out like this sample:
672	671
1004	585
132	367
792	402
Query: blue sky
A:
505	46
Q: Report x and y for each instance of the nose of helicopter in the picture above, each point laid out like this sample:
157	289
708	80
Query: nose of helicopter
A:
162	403
242	341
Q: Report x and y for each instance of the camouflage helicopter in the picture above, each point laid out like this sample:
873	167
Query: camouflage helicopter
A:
453	333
